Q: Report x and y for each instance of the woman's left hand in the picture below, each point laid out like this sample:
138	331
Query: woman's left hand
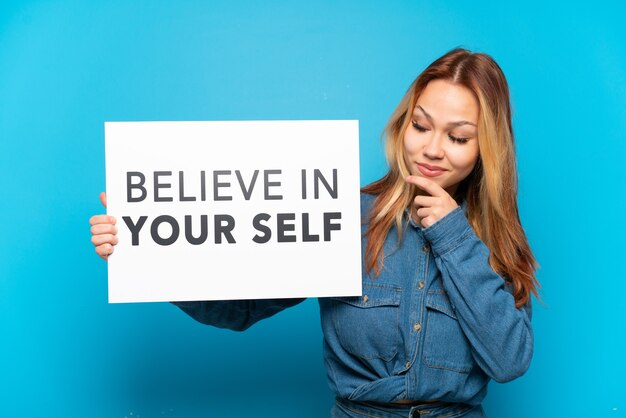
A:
434	207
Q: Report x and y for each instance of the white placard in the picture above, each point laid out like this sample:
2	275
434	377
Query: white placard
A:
233	210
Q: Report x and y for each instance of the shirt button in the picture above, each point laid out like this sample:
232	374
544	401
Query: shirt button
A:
425	248
421	284
417	326
408	364
365	298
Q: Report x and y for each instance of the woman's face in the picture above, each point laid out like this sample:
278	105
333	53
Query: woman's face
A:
441	141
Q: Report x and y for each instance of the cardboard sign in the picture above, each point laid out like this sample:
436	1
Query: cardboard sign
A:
233	210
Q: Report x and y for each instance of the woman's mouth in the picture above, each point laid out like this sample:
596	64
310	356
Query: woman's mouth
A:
430	170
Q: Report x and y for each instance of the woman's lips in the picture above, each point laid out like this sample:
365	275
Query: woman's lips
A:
430	170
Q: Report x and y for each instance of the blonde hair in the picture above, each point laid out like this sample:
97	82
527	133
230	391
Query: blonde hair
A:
491	188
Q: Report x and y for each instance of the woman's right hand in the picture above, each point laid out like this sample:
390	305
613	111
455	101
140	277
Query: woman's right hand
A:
103	231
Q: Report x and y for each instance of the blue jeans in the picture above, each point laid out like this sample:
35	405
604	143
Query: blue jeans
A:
348	409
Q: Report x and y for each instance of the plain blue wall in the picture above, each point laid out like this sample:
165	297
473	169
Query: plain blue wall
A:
68	66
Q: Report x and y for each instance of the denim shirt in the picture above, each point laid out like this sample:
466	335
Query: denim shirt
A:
437	323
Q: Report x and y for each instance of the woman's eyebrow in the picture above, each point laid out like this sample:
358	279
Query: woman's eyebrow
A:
450	124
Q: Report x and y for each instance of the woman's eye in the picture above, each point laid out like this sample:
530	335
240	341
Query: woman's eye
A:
419	127
458	139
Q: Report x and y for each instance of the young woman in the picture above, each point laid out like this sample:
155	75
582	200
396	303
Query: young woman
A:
447	269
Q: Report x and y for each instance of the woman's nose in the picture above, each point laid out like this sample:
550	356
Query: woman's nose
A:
433	149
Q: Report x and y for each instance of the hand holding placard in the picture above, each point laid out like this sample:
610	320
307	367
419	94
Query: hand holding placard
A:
103	231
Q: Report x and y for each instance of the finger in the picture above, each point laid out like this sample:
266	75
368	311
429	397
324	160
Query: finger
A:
428	221
103	229
434	213
103	199
425	200
423	212
102	219
98	240
104	250
427	185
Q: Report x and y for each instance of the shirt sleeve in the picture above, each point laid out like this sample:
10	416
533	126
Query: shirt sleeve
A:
500	334
237	315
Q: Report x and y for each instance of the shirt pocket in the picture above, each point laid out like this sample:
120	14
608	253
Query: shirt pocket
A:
367	326
445	344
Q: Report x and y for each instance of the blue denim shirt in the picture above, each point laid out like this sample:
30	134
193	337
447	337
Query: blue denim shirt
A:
437	323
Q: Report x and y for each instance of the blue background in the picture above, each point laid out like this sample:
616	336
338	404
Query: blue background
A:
68	66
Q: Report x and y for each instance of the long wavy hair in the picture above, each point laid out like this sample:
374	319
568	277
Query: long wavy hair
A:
491	188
